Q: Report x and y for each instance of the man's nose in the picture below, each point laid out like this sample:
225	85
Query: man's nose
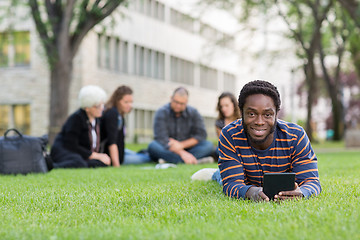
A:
259	120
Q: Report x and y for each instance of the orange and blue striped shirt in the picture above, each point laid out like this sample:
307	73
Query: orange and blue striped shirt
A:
242	166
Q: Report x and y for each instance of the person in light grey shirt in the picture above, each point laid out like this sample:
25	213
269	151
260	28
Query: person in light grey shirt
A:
179	132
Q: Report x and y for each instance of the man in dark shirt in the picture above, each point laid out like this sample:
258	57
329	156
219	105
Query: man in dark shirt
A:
179	132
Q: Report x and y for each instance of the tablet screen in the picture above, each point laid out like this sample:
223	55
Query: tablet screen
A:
277	182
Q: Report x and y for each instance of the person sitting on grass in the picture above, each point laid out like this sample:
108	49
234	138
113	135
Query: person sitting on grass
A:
228	111
113	129
179	133
261	143
78	143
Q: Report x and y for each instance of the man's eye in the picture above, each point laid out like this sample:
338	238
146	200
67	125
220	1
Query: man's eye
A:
251	114
268	115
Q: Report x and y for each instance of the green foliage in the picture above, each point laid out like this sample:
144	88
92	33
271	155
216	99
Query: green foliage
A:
354	48
141	202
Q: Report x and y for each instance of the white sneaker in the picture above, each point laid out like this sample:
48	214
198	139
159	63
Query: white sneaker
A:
205	160
165	165
204	174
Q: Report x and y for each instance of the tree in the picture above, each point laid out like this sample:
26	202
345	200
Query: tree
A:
310	28
304	20
353	7
62	25
338	28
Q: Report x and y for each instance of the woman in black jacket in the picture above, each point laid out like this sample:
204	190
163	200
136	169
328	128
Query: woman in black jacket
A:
78	143
113	129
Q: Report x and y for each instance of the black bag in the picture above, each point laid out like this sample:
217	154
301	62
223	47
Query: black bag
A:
23	154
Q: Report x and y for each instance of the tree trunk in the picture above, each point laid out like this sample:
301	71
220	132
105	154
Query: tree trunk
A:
311	83
60	78
336	107
62	28
337	111
334	90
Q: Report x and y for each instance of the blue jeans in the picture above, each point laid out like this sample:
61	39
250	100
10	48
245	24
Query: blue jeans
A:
200	150
217	177
131	157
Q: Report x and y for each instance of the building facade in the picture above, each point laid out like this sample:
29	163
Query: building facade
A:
154	47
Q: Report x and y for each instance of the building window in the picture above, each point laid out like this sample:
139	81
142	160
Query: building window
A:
107	53
15	116
208	32
141	61
112	54
117	55
208	77
143	131
159	11
182	71
227	41
124	57
229	82
4	50
151	8
121	56
99	51
161	65
182	21
209	123
14	49
148	62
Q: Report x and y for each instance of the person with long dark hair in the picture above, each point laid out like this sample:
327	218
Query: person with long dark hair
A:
228	111
113	128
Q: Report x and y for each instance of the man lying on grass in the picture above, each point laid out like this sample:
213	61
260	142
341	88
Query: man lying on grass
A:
260	143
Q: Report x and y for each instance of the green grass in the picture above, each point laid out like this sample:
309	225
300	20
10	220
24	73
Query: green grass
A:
136	146
140	202
329	145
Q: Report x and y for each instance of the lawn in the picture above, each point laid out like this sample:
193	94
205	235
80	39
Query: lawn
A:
141	202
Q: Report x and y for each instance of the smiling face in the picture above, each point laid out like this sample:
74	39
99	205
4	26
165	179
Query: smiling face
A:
259	118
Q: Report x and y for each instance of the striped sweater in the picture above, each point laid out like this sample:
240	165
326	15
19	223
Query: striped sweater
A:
242	166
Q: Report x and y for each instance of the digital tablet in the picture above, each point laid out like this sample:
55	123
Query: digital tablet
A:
277	182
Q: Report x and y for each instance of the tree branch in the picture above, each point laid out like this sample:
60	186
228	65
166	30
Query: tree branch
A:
296	34
64	33
41	28
55	13
93	17
353	9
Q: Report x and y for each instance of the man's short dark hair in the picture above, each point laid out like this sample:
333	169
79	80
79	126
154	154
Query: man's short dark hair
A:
259	87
